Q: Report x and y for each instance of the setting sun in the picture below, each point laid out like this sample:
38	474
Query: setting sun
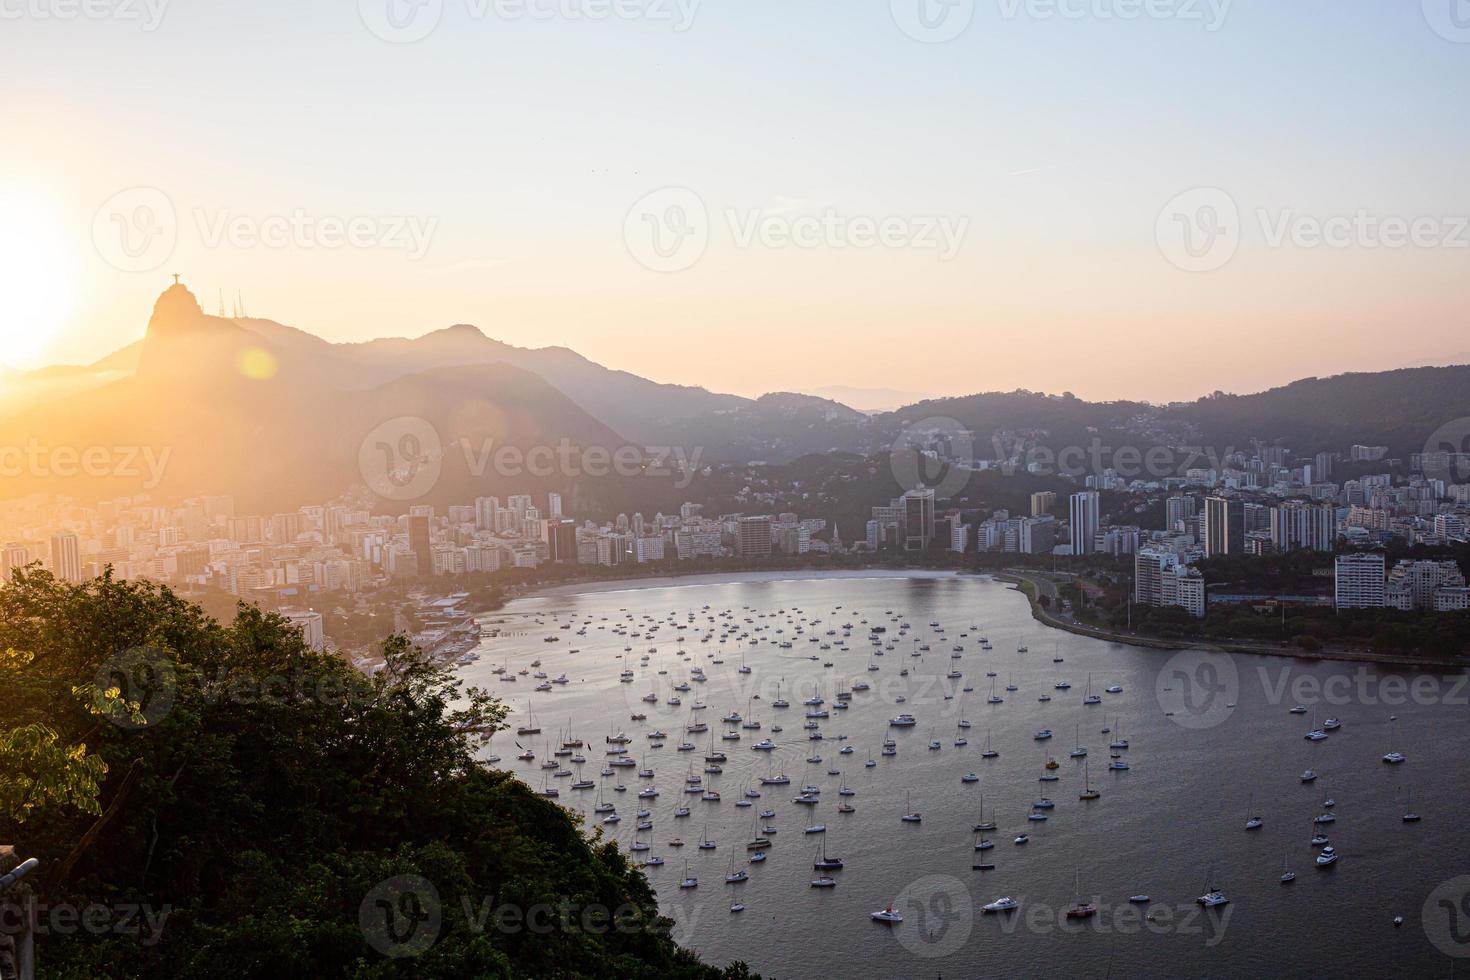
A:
37	282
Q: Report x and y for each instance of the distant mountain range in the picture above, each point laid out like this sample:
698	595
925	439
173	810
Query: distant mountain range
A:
278	416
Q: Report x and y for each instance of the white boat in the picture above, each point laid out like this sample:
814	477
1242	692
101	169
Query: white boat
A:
1003	904
1212	898
888	914
1326	856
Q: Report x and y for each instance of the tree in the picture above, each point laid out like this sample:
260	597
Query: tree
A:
265	792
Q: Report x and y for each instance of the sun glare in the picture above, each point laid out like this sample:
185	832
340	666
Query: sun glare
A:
36	278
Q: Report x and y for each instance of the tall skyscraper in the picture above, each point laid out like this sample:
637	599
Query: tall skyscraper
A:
918	517
418	543
1083	514
553	505
1224	530
66	557
561	539
1042	501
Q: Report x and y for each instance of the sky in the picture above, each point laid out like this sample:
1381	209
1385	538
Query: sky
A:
1111	197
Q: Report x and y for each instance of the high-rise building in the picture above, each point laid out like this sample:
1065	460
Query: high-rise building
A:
1177	510
310	624
753	537
1160	579
1224	527
1083	512
561	540
553	505
1037	535
1299	525
1426	586
918	518
1042	501
13	557
1361	583
66	557
418	543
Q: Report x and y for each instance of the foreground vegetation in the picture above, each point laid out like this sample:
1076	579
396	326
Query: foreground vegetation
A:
254	795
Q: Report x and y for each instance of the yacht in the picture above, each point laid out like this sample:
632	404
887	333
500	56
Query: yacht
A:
1327	856
886	915
1003	904
1212	898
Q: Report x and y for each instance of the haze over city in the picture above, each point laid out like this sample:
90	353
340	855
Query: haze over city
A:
1012	455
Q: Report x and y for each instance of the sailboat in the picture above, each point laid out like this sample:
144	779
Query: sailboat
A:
1252	821
1091	698
1392	757
1287	875
1079	751
1088	793
989	753
530	727
1081	909
909	815
732	876
825	863
1409	815
984	824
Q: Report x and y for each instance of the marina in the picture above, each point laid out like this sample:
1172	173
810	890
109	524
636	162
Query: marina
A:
1167	857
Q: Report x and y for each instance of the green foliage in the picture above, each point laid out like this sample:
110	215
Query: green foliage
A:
257	792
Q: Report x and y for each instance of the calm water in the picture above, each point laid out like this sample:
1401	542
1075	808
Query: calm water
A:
1165	827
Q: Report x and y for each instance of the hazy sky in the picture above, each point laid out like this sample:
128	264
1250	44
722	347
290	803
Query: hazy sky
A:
517	153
